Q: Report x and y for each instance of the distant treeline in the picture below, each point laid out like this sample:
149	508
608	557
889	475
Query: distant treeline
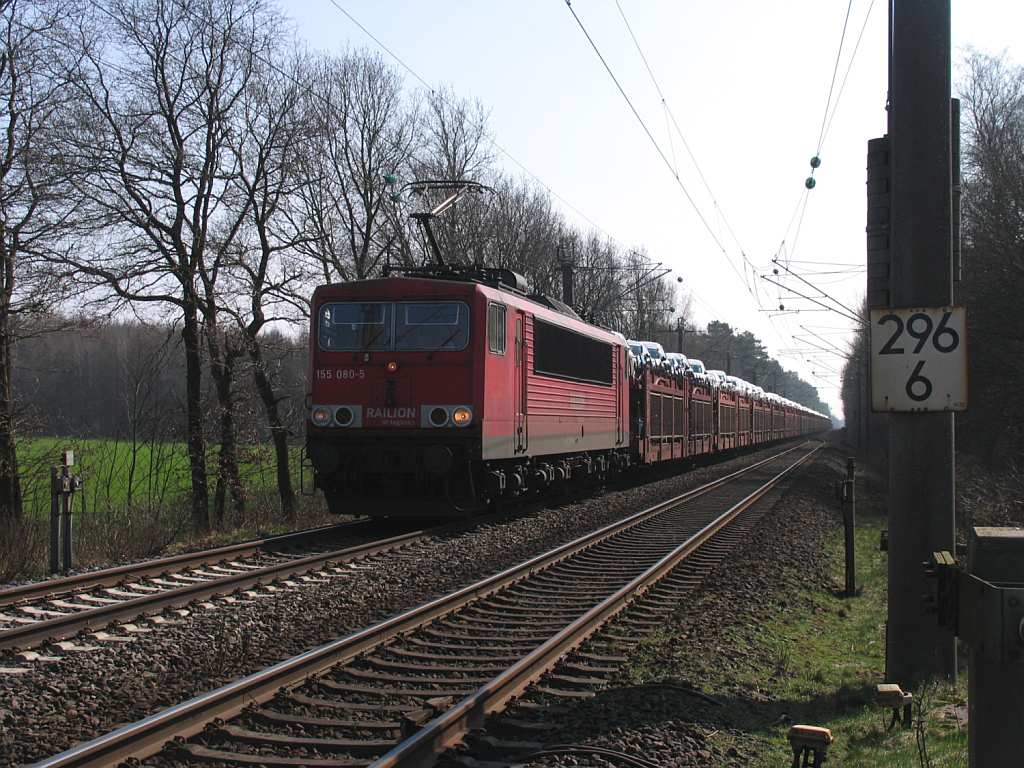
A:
127	379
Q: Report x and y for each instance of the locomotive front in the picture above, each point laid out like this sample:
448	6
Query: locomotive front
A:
394	419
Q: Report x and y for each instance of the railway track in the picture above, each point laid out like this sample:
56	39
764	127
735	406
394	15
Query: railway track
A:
406	689
57	609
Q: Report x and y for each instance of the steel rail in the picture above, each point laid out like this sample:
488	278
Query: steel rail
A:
58	628
448	729
145	737
112	576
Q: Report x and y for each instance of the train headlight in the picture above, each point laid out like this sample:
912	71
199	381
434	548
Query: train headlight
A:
392	366
439	417
462	416
320	416
343	416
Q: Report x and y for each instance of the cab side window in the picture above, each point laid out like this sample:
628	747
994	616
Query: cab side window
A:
496	328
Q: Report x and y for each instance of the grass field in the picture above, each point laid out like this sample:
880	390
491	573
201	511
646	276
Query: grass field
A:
118	475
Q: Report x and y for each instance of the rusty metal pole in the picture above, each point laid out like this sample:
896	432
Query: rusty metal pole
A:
849	524
67	524
921	500
55	520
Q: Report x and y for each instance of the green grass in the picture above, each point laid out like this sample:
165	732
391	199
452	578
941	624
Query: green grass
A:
118	475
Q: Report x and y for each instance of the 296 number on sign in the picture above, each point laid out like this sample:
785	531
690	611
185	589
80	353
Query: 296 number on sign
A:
919	326
918	359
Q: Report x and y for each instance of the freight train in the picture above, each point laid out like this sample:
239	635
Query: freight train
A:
450	389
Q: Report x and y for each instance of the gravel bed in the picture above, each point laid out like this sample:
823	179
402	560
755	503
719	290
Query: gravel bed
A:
84	694
650	711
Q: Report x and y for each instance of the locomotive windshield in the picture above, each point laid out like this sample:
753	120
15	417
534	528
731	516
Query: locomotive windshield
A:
353	325
434	326
385	326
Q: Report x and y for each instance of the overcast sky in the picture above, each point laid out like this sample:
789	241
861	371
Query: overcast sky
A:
747	82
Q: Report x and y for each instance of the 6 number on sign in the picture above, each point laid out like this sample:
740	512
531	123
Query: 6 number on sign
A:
918	359
945	340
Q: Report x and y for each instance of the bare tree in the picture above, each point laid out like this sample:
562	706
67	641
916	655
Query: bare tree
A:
269	285
34	211
156	170
597	272
361	128
524	232
456	140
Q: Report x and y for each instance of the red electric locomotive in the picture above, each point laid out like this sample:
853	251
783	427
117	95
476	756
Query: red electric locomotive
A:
450	387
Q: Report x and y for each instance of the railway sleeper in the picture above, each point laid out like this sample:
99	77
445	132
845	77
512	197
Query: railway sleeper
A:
412	678
416	693
345	706
516	598
492	669
503	612
516	630
306	721
504	642
362	747
601	658
588	668
452	657
574	681
562	693
198	753
514	626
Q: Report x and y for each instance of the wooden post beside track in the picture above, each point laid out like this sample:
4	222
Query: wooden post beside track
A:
62	490
848	499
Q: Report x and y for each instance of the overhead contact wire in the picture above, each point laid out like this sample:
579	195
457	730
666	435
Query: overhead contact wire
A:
654	142
835	71
675	123
849	67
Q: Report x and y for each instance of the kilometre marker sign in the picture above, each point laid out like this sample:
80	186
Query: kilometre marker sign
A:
918	359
